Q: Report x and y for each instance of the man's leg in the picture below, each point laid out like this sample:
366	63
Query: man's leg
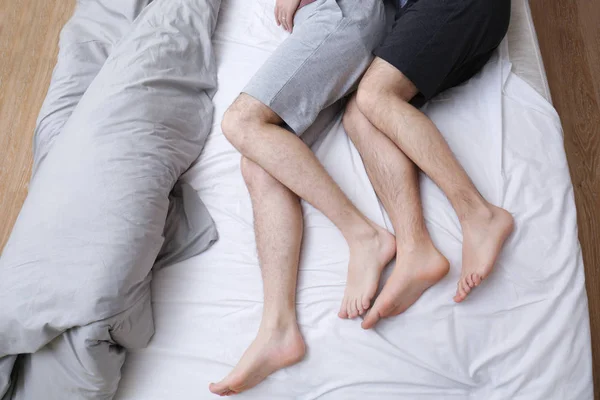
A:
278	228
383	97
395	178
254	130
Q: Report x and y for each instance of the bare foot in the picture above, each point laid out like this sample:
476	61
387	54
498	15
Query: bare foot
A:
483	238
368	258
416	270
272	350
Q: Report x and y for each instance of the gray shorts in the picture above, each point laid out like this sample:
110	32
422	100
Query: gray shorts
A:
321	61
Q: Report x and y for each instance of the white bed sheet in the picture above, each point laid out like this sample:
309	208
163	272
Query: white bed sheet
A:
524	334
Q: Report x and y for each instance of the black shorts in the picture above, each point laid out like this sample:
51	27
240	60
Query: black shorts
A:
438	44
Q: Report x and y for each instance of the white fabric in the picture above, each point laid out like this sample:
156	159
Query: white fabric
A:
524	49
523	334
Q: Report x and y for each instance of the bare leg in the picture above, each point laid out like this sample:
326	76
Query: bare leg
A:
383	98
278	227
254	130
395	178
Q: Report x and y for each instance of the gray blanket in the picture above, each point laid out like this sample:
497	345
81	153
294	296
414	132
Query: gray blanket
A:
128	111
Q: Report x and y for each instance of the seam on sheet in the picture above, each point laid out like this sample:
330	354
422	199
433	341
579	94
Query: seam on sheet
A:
501	191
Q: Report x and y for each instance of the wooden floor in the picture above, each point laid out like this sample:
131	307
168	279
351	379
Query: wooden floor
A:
569	35
28	45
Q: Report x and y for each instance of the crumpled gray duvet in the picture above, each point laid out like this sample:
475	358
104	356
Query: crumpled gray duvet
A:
128	111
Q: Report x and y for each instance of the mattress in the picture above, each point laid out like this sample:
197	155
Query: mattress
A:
524	50
523	334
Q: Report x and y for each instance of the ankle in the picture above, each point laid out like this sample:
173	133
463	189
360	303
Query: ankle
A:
411	244
411	236
279	320
361	233
474	209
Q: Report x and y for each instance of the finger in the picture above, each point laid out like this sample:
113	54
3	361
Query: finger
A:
277	13
286	25
284	21
289	20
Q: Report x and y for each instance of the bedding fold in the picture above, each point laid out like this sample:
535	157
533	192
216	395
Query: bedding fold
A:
75	273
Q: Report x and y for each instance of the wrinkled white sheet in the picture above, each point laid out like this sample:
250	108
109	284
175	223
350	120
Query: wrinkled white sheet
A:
524	334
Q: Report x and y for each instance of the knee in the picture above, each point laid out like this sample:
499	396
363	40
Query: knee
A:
238	124
381	85
372	95
367	95
255	176
231	125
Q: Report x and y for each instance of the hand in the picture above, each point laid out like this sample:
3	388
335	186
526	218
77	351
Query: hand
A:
284	13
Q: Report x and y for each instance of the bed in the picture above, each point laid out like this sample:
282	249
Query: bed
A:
523	335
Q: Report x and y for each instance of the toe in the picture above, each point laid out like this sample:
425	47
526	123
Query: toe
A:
469	280
476	279
344	309
460	293
359	306
465	285
371	318
366	303
219	388
352	311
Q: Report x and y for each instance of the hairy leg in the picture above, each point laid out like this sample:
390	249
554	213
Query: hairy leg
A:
278	228
395	178
383	98
255	131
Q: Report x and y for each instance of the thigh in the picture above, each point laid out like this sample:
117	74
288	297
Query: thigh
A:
432	40
321	61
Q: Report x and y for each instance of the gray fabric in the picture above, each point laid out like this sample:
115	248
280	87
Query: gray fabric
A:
189	228
76	269
84	361
86	41
321	61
